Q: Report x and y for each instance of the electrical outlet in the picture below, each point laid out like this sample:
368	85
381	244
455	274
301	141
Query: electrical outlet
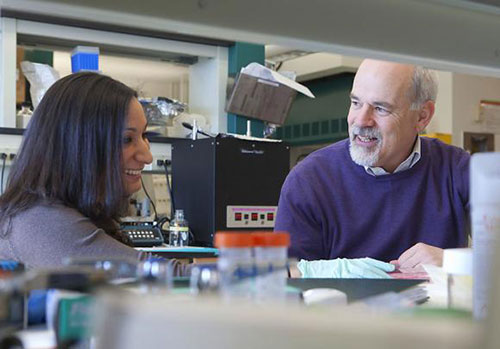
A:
158	161
11	154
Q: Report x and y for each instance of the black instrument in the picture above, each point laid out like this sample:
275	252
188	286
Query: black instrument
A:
143	234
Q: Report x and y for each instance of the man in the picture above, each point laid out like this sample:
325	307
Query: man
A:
385	192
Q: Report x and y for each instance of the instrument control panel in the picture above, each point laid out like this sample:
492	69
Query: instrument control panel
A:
250	216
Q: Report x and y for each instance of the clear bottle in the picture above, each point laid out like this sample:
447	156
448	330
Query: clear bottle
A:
23	116
457	263
271	255
178	230
235	265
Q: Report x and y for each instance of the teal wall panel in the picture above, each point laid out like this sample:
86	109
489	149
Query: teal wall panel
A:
322	119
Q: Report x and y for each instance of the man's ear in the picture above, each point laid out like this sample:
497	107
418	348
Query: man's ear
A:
425	115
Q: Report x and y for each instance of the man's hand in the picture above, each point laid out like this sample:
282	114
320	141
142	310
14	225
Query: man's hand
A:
412	259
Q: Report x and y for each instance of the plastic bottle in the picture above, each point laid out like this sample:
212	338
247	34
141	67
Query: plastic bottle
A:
23	116
235	265
178	230
271	254
457	263
485	216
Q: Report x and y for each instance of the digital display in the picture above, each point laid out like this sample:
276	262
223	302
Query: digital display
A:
250	216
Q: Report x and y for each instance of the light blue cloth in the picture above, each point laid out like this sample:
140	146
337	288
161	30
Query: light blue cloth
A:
358	268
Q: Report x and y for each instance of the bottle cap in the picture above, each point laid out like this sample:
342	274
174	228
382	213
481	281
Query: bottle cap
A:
233	239
271	239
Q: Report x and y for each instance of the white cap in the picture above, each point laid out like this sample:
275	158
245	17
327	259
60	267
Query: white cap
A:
85	49
457	261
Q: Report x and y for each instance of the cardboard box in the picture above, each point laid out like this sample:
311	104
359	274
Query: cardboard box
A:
20	79
261	99
264	94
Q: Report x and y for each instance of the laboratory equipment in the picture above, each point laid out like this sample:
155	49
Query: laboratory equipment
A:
160	112
457	263
264	94
228	183
143	234
485	217
204	279
84	58
271	254
236	265
24	116
178	230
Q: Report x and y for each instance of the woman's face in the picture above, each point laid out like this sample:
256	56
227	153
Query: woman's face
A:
136	152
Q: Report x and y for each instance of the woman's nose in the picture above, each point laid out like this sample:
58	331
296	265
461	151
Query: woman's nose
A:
144	154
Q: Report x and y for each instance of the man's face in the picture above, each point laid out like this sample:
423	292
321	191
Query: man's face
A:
382	128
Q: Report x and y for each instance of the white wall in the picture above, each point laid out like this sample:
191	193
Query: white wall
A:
320	64
208	95
468	91
443	116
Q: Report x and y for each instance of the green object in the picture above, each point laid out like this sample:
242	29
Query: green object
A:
322	119
441	313
39	56
240	55
358	268
73	318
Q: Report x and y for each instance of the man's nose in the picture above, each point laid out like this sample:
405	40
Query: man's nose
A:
364	116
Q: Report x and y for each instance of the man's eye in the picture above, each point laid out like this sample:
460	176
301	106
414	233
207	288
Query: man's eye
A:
355	104
382	111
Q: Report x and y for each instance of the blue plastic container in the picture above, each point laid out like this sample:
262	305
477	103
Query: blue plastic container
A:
85	58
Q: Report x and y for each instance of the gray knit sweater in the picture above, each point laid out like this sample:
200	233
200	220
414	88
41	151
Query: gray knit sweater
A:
46	234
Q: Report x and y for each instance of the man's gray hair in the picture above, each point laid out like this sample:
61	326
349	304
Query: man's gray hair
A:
424	87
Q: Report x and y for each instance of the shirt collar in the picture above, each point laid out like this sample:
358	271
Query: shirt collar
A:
405	165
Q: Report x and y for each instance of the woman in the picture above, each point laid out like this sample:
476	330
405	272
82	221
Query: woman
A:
81	158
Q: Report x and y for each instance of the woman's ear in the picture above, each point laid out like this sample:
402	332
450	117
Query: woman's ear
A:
425	115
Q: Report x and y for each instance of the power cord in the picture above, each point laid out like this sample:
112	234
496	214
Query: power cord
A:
149	198
170	192
3	156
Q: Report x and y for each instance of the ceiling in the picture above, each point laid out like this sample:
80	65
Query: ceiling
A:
443	34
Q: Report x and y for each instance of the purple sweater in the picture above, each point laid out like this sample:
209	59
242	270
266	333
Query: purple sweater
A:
332	208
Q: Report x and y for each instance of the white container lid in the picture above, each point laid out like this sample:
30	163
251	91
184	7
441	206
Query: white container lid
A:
85	49
457	261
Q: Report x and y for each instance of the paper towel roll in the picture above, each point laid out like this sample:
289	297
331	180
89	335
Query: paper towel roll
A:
457	261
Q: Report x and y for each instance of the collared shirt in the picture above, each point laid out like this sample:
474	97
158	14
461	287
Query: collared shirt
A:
405	165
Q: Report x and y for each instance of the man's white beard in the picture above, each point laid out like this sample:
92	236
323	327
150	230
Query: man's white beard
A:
361	155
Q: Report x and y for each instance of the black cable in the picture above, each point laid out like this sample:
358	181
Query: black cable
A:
190	127
4	158
172	203
151	201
